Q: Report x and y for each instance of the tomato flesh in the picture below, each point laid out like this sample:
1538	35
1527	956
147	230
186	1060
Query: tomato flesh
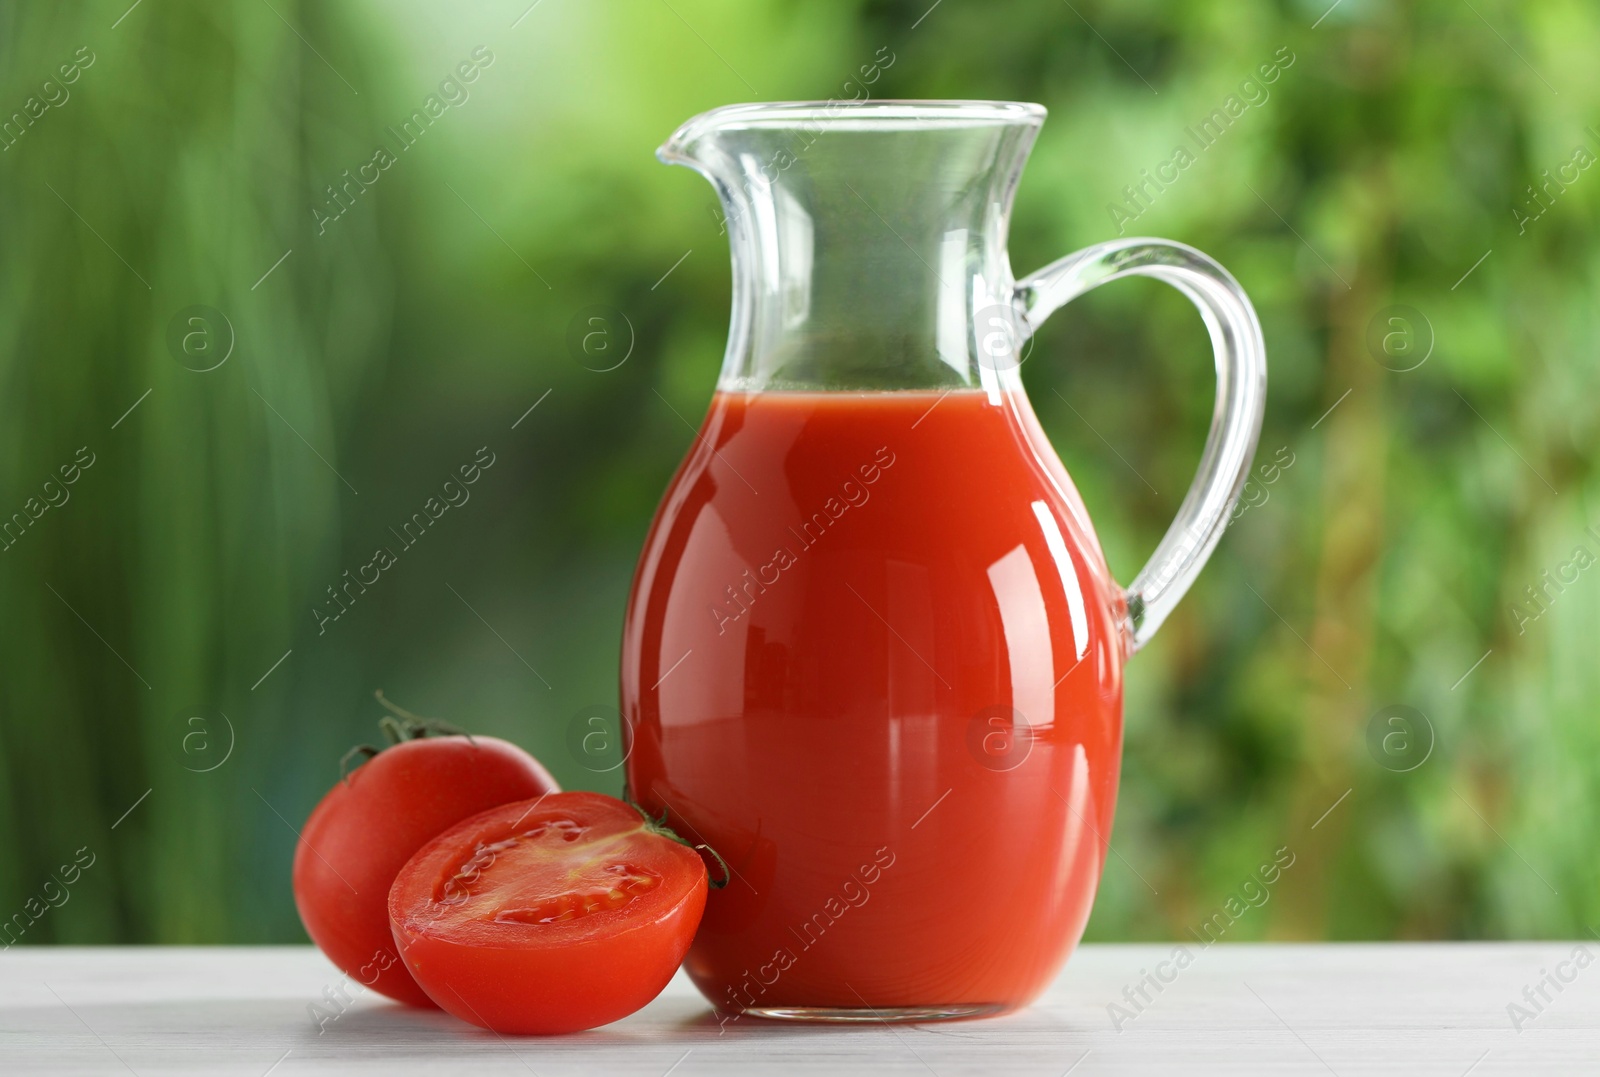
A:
549	915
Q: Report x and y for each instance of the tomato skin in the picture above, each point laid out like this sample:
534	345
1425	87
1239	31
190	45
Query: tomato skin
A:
365	829
546	979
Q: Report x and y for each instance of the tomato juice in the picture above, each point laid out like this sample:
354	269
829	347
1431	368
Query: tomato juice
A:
872	657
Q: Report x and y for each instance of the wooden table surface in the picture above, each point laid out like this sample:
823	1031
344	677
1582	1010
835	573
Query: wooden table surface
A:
1429	1008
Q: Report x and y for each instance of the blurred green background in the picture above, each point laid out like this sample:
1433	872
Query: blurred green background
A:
181	163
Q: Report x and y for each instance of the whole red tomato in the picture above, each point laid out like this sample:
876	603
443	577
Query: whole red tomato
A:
375	818
553	915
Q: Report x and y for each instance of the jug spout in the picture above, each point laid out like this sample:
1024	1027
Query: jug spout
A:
867	239
690	143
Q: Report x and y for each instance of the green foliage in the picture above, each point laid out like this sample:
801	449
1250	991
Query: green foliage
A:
419	324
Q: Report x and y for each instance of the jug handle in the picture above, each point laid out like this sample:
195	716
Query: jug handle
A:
1235	422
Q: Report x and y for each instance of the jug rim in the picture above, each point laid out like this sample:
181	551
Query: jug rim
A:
887	114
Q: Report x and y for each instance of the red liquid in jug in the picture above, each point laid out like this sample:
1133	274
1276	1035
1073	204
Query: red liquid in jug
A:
873	658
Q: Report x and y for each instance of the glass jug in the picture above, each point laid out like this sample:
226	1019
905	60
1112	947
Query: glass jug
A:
873	655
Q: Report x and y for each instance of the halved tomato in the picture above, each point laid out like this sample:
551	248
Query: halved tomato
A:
549	915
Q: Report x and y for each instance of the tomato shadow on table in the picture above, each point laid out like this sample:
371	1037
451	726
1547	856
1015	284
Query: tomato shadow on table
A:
669	1020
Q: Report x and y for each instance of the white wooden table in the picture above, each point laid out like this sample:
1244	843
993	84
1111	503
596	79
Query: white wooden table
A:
1237	1009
